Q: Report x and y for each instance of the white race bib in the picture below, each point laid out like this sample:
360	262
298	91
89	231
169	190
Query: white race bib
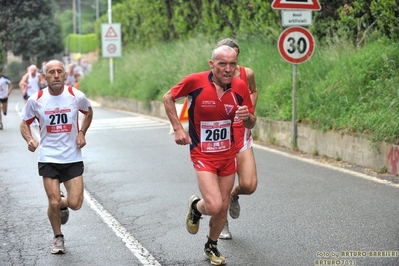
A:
215	136
57	120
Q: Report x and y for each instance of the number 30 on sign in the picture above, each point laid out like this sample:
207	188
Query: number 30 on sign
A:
296	45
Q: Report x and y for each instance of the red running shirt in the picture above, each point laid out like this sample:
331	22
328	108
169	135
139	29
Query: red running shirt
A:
211	118
238	123
243	74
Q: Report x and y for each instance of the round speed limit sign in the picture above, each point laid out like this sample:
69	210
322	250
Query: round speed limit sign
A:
296	45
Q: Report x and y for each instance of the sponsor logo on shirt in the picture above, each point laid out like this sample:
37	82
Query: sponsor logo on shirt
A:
207	103
57	110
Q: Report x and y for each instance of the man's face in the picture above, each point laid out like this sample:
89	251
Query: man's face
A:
55	75
32	70
223	67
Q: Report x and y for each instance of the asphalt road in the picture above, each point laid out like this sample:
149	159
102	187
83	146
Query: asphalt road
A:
137	185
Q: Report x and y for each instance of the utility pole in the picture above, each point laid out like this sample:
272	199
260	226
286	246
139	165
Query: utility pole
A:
111	60
74	15
80	26
97	9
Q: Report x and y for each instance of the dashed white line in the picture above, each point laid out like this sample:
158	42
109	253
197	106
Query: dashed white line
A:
131	123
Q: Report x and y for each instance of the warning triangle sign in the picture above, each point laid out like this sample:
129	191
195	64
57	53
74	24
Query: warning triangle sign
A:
296	4
183	117
111	33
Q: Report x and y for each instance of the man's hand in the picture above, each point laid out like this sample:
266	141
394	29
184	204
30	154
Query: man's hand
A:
32	145
81	139
243	112
182	137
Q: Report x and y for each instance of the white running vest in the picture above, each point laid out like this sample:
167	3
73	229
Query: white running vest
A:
34	84
58	123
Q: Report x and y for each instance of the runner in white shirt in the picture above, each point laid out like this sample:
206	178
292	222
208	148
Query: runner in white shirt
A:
5	90
30	82
57	109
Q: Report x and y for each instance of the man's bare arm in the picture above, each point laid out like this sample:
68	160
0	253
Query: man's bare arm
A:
181	136
22	83
27	135
252	86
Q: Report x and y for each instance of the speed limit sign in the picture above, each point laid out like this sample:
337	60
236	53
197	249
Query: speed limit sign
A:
296	45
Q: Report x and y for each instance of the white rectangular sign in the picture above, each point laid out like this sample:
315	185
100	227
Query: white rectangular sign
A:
111	40
296	18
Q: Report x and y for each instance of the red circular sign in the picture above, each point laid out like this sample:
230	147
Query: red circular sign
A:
296	45
111	48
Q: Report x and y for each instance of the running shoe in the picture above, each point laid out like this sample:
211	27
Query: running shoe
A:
64	212
212	253
192	219
1	126
234	208
225	234
58	247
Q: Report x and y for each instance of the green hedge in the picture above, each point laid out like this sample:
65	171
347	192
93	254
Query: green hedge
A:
14	71
81	43
147	23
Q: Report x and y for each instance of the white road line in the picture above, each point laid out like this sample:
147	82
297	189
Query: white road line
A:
127	123
142	254
336	168
96	130
131	243
18	110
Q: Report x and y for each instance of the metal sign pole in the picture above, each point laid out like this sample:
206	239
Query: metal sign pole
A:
294	90
80	26
296	44
111	61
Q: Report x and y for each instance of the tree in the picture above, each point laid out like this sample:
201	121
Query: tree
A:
30	28
2	55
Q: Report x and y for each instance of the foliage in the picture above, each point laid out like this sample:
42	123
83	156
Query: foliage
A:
358	21
386	14
339	88
67	22
24	32
81	43
83	22
186	15
14	71
147	74
348	85
359	94
2	55
149	23
140	26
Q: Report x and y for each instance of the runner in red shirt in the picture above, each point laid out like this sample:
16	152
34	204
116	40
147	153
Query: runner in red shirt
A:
247	176
215	100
